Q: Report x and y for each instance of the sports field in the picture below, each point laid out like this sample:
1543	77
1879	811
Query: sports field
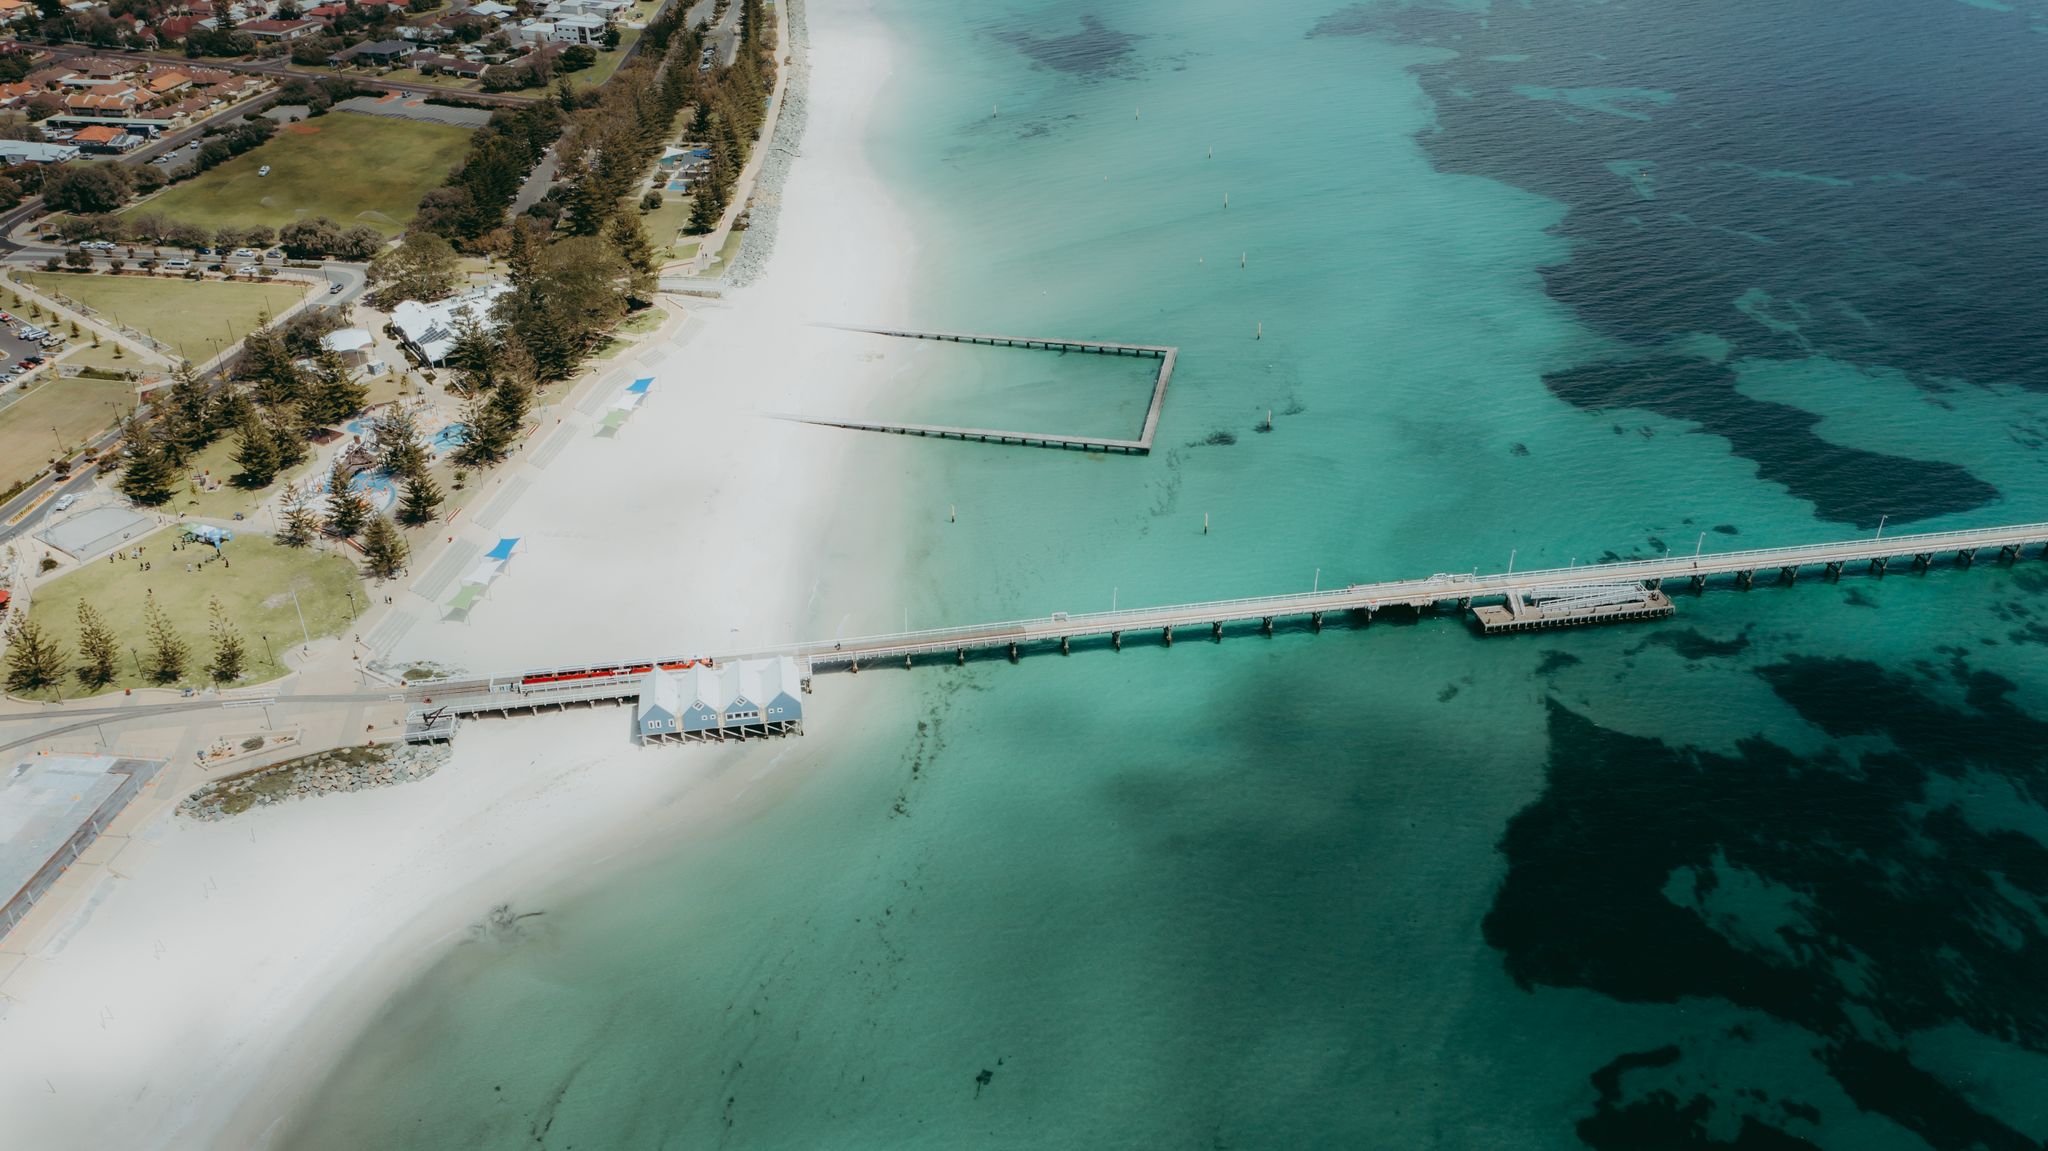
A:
348	167
198	317
55	413
255	585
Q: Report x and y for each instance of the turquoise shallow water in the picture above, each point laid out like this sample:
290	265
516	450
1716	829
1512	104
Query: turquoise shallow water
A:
1769	875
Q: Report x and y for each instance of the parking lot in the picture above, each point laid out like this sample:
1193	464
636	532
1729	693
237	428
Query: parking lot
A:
15	349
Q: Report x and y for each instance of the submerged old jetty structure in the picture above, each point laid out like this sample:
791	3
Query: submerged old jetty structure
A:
1142	445
1502	603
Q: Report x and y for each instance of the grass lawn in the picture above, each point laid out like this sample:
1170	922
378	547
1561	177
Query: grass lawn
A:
351	168
76	409
256	591
665	224
190	315
729	249
84	355
608	62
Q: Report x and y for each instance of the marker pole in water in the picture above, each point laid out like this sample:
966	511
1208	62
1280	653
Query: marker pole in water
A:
1205	523
952	513
1241	257
992	109
1226	199
1261	334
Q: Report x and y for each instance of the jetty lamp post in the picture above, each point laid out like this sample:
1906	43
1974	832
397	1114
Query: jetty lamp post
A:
1511	560
1880	524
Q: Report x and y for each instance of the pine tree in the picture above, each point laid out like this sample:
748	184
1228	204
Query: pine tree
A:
227	644
288	438
167	651
98	654
483	439
146	474
333	394
34	660
300	524
346	507
186	426
629	240
384	550
398	442
420	500
256	452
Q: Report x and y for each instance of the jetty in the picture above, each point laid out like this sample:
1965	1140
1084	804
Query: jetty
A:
1142	445
1501	603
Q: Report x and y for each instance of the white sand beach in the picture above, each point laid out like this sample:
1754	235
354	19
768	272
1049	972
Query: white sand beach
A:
218	969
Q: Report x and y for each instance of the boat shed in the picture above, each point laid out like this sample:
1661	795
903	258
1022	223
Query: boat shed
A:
659	706
741	700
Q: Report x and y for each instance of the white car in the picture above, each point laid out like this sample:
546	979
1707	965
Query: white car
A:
180	263
245	253
64	502
263	171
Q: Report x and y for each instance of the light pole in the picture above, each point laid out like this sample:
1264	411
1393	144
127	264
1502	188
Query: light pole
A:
1696	547
303	633
1318	585
1511	560
1880	524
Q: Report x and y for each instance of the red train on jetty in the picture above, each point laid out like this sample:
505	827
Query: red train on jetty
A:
566	675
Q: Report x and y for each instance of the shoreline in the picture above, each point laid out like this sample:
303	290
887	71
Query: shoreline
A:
215	973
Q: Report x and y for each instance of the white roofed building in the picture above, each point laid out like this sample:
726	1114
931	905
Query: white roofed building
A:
430	329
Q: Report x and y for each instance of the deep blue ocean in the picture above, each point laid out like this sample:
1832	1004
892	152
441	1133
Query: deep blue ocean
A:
1562	279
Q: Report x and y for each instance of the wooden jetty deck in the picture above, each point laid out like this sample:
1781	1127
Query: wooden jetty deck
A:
1142	445
616	682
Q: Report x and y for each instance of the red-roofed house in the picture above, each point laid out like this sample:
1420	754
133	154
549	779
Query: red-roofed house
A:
105	138
102	103
175	28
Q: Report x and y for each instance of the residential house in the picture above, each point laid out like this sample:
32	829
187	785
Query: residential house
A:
375	52
432	62
12	10
579	30
114	104
165	83
282	31
101	67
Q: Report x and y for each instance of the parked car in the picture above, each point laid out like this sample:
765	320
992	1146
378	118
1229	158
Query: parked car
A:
263	171
64	501
334	289
244	253
179	264
214	267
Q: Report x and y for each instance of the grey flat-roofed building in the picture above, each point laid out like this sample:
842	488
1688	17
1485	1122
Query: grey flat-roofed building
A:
51	809
36	152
